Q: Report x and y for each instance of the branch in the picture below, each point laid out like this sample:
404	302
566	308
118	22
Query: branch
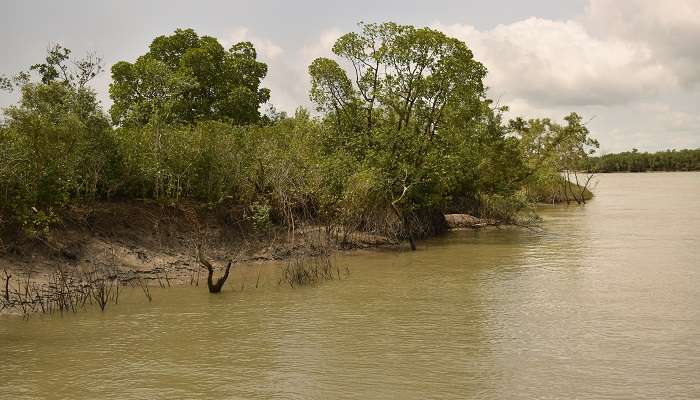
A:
200	257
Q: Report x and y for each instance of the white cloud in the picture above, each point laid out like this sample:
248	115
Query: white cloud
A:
675	120
265	47
287	76
322	47
617	52
632	65
559	62
671	29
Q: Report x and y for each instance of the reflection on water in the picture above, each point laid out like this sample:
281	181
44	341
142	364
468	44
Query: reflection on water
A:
603	303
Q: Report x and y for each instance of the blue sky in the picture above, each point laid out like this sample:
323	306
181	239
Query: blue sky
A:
629	66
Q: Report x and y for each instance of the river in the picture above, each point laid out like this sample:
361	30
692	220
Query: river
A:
603	302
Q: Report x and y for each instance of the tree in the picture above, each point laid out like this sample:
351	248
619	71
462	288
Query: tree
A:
636	161
552	150
392	114
58	67
56	144
185	78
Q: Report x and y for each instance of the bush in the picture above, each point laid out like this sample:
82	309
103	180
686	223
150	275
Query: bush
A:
513	209
169	163
56	146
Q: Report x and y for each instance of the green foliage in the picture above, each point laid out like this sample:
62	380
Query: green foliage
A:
555	190
415	119
634	161
169	163
507	208
259	215
39	222
549	150
406	132
59	67
186	78
406	83
55	146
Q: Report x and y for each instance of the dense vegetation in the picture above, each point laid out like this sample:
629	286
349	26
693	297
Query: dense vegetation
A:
185	78
404	133
634	161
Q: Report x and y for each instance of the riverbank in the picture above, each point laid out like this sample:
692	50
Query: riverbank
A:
635	161
145	244
153	241
141	240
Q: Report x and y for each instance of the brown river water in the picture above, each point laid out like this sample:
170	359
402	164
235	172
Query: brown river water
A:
603	302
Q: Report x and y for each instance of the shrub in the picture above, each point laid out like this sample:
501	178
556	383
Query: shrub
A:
56	146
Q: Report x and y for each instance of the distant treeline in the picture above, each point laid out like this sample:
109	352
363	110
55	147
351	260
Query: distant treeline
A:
634	161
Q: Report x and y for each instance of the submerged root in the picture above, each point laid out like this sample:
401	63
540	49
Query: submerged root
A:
65	291
308	271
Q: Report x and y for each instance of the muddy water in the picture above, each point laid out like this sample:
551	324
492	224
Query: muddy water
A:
603	303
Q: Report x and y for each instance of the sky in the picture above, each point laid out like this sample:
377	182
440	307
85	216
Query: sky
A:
631	68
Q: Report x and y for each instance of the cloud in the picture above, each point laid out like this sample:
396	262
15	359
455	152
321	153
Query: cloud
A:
676	120
670	29
265	47
322	47
616	52
287	76
560	62
632	66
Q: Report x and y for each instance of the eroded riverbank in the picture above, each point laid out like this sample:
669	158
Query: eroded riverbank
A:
157	243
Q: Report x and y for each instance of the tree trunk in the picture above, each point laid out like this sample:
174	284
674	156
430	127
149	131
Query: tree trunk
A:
216	287
7	286
407	229
213	287
411	241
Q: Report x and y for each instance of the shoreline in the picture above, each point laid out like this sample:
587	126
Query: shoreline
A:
144	244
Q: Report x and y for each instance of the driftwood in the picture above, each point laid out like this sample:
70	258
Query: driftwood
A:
213	287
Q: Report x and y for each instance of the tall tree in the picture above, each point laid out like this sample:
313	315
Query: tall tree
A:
391	110
186	78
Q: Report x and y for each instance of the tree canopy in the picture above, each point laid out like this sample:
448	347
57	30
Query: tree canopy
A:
408	110
401	76
185	78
